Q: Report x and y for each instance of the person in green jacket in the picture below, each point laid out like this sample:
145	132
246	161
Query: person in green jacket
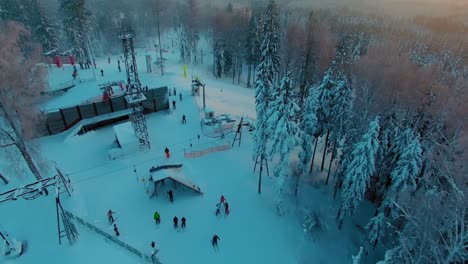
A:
157	217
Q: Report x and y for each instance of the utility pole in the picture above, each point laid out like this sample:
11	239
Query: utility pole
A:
159	36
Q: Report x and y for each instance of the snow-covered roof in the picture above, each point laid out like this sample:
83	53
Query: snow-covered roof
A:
125	133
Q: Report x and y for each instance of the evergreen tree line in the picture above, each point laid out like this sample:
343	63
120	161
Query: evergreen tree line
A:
392	132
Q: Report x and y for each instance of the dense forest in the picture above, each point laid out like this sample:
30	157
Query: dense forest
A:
367	106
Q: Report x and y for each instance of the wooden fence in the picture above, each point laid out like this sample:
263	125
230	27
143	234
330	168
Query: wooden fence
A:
62	119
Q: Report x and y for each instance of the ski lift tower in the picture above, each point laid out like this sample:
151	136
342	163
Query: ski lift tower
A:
135	94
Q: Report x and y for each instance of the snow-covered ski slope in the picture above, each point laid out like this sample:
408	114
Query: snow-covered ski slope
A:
252	233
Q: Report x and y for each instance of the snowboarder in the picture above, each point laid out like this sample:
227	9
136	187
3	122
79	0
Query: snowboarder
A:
157	217
214	241
117	233
180	97
183	222
176	222
184	121
171	195
173	104
102	72
226	208
110	216
222	199
108	60
168	154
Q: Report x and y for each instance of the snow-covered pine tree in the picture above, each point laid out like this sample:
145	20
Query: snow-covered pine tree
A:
404	175
76	22
341	102
359	171
14	10
43	28
266	73
324	108
282	122
185	50
309	73
407	168
308	129
271	35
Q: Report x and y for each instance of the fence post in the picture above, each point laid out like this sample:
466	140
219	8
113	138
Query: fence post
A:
63	119
95	109
111	106
79	112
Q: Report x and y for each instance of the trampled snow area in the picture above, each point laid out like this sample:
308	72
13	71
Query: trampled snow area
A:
251	233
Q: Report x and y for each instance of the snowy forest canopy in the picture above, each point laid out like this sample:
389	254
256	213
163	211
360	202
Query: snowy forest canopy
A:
383	98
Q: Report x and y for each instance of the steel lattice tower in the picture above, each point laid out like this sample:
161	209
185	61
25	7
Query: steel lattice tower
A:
135	94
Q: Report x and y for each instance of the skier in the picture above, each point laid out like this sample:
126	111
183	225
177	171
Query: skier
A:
176	221
218	209
222	199
120	70
171	195
226	208
74	75
81	65
94	62
183	222
168	154
108	60
117	233
102	72
180	96
173	104
214	241
111	217
174	90
157	217
153	250
184	121
198	137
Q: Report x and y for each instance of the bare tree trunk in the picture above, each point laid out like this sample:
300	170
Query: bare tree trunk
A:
239	73
19	142
5	180
249	69
313	155
329	167
234	71
325	150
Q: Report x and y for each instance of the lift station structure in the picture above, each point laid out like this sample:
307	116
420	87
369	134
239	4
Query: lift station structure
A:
135	94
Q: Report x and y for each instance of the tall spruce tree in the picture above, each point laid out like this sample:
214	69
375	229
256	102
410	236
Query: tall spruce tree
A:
76	22
43	28
282	122
359	171
266	73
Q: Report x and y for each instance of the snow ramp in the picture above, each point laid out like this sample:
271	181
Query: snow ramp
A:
144	257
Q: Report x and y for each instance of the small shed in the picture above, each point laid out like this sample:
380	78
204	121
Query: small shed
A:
126	138
162	175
